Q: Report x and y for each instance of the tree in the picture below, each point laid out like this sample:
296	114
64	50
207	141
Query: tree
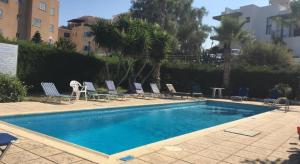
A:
37	38
106	35
65	45
134	39
229	32
295	14
266	54
160	49
177	17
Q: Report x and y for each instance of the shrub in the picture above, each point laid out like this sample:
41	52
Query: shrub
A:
265	54
40	63
11	89
284	89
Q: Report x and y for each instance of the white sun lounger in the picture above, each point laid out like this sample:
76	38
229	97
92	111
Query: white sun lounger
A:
112	90
92	93
155	90
51	92
140	91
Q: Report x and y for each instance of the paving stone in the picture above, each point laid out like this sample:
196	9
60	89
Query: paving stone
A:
39	161
258	150
213	154
174	154
265	146
157	158
46	151
235	159
13	149
29	145
250	155
191	148
64	158
224	149
84	162
135	161
198	159
201	143
180	162
233	144
244	140
18	157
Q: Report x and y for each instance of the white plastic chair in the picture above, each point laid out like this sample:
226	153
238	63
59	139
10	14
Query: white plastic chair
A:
78	89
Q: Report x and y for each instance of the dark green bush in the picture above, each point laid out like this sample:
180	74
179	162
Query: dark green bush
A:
258	79
38	63
11	89
266	54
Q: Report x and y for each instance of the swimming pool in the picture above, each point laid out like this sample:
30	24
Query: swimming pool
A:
114	130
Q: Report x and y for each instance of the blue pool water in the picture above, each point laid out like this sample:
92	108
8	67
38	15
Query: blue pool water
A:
114	130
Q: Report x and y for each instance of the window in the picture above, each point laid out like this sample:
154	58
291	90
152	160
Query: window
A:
37	22
87	34
1	13
52	11
51	28
296	32
269	26
4	1
43	6
248	19
67	35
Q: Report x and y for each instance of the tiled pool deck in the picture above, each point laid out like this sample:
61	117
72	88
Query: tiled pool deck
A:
277	143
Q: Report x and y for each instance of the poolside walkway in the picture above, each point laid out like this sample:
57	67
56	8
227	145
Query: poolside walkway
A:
276	143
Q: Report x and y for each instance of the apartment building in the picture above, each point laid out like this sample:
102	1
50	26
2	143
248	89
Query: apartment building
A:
9	10
78	31
23	18
263	27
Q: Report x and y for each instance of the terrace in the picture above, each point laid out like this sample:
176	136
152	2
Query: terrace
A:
277	142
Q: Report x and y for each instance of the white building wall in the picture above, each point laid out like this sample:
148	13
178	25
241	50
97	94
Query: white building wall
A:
258	22
294	44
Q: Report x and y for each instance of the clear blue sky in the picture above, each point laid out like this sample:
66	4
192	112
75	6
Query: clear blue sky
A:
70	9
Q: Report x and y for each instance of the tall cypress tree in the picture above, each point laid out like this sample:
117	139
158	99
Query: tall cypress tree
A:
37	38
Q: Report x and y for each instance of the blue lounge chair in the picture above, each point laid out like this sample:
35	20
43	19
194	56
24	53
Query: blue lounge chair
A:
273	97
91	91
173	92
196	91
5	141
243	94
155	90
112	90
140	91
51	92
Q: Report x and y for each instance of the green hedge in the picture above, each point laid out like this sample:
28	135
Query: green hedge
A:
260	80
38	64
42	63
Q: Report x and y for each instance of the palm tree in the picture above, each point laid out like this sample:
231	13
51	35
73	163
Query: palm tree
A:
161	47
295	15
229	32
106	35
